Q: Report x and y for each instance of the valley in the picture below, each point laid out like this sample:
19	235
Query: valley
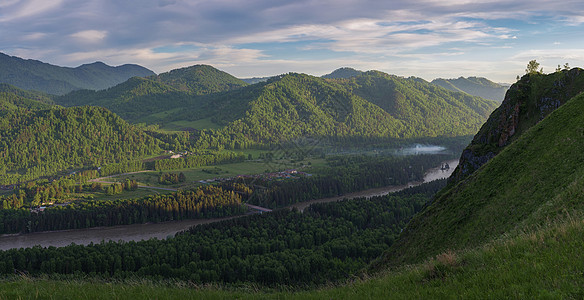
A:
337	184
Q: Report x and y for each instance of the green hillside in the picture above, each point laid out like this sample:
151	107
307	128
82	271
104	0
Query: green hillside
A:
35	75
342	73
527	102
44	142
476	86
12	97
543	264
536	179
420	105
290	106
134	99
199	80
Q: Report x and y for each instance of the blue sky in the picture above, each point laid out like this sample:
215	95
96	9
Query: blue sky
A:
424	38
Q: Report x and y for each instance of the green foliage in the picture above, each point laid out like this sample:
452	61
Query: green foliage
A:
536	265
342	73
204	202
533	68
290	106
171	178
527	102
39	76
45	142
12	97
199	80
346	174
327	242
535	179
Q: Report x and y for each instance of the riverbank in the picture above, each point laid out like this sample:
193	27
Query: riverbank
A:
137	232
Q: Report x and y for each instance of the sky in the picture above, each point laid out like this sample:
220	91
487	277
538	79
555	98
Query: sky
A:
255	38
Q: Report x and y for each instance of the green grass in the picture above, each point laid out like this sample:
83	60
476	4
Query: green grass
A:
542	264
536	178
194	175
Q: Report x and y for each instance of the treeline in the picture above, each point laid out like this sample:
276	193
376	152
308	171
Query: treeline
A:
171	178
204	202
42	143
346	174
326	243
197	160
36	193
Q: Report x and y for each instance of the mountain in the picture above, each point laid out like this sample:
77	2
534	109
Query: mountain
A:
199	80
156	98
344	72
373	104
12	97
419	104
527	102
476	86
35	75
299	105
45	142
536	180
254	80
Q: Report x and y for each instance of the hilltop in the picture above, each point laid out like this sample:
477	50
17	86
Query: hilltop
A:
535	179
199	80
344	72
35	75
527	102
476	86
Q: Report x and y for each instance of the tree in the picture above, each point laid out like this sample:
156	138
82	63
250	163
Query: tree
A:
532	67
566	66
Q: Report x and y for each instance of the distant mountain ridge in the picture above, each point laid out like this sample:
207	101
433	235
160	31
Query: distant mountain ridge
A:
35	75
476	86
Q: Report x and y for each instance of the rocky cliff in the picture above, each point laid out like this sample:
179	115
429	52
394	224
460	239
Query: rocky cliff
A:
526	103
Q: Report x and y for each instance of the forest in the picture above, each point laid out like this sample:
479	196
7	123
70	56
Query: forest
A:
327	242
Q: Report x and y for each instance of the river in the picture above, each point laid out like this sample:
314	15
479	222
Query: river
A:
137	232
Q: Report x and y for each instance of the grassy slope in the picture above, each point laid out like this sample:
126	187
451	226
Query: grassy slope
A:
543	264
533	180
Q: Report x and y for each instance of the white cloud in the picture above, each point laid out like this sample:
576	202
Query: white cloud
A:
90	36
14	10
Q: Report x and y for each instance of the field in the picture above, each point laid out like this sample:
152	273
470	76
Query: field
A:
194	175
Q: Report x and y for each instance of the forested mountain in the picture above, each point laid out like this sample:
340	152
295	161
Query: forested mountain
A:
133	99
372	104
301	105
35	75
199	80
44	142
420	105
12	97
476	86
527	102
534	181
344	72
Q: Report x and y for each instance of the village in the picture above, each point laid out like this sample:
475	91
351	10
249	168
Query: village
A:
283	175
